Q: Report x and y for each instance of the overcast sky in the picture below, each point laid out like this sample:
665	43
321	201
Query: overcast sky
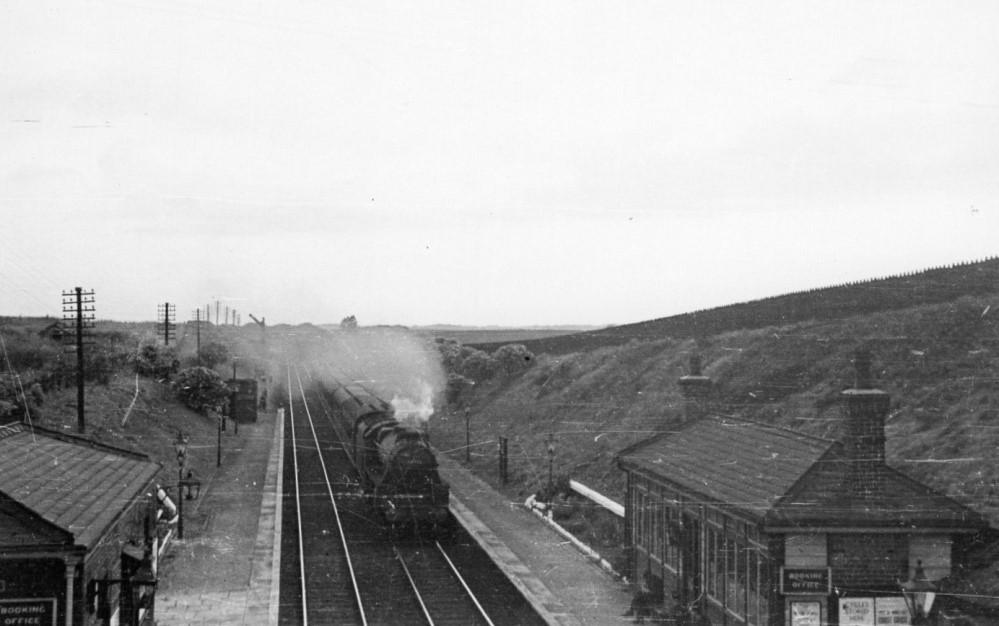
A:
483	162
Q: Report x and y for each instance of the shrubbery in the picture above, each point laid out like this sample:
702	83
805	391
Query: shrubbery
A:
201	389
156	361
467	366
213	354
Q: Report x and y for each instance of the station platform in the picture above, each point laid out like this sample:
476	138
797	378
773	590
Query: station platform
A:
563	585
225	570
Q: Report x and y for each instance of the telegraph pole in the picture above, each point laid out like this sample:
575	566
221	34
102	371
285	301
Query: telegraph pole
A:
73	307
197	333
167	312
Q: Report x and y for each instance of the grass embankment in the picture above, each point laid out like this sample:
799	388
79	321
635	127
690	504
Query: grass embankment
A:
939	363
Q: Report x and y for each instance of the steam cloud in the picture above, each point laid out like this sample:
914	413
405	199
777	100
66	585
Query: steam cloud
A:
394	363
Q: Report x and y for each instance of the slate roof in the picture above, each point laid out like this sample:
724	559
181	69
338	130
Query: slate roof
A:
743	464
78	485
826	496
21	527
784	478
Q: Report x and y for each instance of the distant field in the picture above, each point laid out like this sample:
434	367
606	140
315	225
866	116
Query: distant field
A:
497	336
488	335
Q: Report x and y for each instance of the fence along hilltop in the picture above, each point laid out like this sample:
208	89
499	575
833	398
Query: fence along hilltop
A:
929	286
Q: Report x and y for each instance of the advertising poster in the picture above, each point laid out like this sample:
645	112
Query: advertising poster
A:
891	611
806	614
856	612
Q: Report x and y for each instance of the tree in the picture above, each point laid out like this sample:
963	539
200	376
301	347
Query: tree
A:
457	386
513	358
450	351
348	323
156	361
479	366
213	354
201	389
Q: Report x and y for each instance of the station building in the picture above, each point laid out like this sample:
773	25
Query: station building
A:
759	525
77	530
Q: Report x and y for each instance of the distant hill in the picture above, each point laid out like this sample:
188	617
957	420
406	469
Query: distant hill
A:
940	284
783	361
498	335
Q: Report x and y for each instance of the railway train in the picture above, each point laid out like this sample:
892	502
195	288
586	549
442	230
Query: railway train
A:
395	464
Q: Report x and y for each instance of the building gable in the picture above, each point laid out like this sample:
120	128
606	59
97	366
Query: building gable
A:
21	527
828	497
78	486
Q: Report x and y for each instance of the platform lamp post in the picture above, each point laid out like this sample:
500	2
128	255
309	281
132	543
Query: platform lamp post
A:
180	444
468	440
919	593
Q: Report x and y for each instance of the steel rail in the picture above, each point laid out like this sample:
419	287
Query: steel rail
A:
412	583
461	579
298	505
336	510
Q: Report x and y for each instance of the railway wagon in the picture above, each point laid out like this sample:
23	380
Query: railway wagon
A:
396	466
243	399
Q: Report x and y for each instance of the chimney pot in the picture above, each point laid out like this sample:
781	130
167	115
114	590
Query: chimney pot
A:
696	390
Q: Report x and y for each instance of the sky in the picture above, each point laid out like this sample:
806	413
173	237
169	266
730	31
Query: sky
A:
487	163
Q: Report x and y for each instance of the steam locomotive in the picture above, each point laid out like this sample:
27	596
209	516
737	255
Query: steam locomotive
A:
397	468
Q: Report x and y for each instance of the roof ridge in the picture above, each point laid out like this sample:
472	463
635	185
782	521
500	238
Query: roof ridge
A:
81	440
786	429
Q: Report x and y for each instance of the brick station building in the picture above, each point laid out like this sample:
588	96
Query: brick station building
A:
77	530
760	525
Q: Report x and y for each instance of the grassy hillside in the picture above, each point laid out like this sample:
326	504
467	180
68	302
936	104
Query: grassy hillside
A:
498	336
936	285
121	409
939	362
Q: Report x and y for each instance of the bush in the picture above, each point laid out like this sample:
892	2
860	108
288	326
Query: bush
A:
457	386
214	354
513	358
156	361
479	366
201	389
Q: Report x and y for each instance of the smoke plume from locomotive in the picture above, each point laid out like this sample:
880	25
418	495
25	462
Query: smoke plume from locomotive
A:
393	363
415	412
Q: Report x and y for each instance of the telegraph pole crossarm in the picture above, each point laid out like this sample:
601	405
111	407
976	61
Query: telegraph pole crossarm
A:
76	311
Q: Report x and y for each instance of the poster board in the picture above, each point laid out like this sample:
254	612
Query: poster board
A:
891	611
856	612
806	613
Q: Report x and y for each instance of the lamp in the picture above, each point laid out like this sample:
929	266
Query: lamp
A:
919	593
193	486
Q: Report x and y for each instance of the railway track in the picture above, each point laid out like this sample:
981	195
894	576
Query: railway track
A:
340	566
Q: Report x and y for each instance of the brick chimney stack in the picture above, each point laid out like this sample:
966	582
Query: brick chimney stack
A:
864	441
696	390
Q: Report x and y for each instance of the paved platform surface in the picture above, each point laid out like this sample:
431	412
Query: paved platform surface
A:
225	570
565	586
